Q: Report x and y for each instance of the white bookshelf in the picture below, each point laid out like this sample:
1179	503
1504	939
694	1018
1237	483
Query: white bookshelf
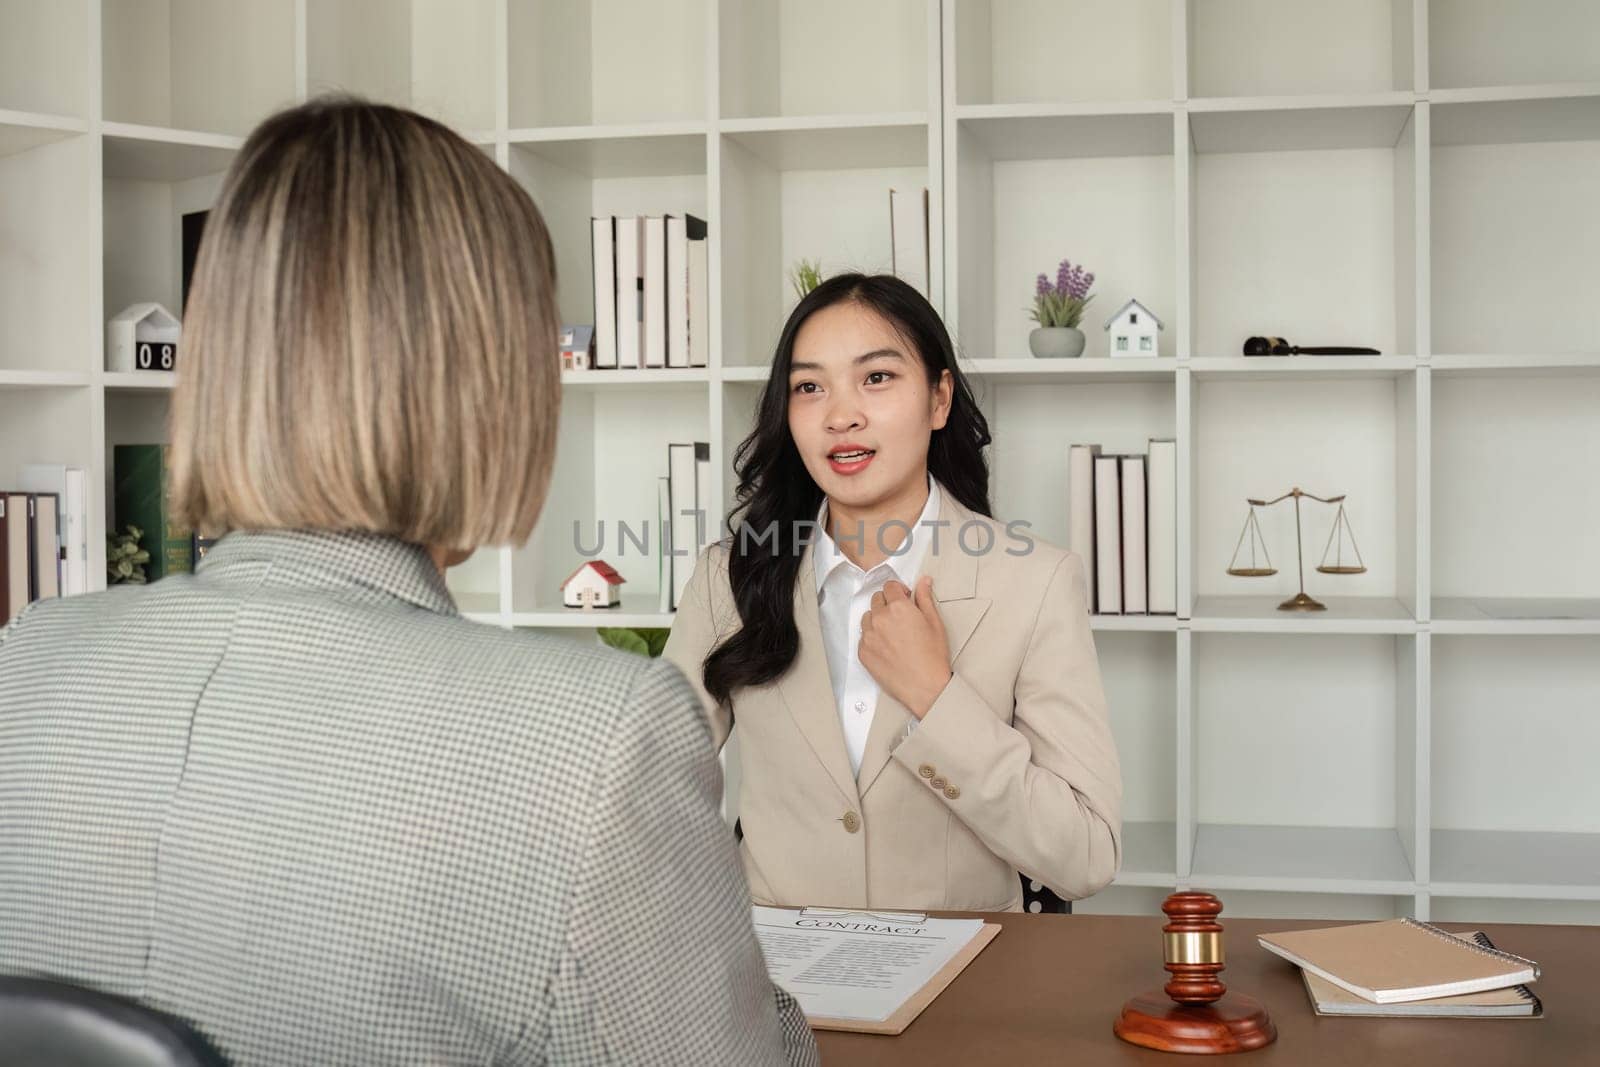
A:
1413	175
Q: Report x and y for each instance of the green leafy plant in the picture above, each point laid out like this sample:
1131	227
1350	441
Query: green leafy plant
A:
806	276
1062	304
643	640
125	560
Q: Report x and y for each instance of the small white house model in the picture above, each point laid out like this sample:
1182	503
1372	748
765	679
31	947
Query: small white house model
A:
593	585
1133	331
142	337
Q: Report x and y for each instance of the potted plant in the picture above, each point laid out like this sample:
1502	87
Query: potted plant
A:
1058	309
643	640
805	276
125	560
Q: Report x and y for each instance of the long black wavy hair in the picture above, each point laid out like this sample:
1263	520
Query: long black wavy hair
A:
777	493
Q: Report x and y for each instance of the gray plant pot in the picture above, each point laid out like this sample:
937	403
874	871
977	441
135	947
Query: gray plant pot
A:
1056	342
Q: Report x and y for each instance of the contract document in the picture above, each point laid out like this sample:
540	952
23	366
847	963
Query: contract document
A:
862	970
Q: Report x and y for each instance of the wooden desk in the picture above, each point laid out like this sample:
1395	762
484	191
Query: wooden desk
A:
1049	987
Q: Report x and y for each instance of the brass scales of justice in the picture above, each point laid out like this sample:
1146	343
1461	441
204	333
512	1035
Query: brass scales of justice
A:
1335	548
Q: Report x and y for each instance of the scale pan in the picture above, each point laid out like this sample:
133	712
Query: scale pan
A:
1252	572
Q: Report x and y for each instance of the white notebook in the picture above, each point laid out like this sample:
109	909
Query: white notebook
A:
1134	561
1107	536
1080	511
1161	514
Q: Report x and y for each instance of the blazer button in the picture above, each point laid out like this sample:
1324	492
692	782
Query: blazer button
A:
951	792
852	822
938	783
926	770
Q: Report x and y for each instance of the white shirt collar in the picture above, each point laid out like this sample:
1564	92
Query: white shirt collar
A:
905	564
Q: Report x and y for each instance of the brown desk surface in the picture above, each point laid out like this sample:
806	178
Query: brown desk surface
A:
1049	987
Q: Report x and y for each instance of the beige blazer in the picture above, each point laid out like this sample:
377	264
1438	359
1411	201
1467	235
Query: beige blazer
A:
1013	768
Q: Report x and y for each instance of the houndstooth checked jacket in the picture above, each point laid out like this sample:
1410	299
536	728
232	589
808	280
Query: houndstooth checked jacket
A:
296	798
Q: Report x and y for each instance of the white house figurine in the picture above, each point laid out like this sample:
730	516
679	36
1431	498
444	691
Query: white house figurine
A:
142	337
1133	331
593	585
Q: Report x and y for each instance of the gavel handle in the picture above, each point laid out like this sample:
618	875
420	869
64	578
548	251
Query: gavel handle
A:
1333	350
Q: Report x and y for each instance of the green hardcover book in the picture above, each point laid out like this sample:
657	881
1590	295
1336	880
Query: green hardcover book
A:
140	475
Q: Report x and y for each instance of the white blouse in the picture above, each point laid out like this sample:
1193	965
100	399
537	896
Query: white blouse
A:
844	595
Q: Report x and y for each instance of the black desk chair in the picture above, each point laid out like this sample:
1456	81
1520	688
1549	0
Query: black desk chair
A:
65	1025
1037	898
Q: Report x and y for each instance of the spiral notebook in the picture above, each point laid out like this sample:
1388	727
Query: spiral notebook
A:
1512	1002
1400	960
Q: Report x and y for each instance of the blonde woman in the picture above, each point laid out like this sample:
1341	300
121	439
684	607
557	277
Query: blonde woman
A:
295	798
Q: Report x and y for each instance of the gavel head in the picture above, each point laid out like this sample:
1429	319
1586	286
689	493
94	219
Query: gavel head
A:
1267	346
1194	953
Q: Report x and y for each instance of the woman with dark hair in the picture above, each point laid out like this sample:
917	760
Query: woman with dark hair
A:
919	707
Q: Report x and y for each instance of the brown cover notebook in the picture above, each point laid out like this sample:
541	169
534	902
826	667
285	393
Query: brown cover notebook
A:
1512	1002
1399	960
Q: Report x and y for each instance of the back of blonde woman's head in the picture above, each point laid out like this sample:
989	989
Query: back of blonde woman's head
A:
370	338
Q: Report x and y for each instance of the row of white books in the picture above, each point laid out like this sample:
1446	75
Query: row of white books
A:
1123	521
651	291
44	542
685	512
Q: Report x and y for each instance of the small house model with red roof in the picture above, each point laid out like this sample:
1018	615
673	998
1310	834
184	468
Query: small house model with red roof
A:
596	584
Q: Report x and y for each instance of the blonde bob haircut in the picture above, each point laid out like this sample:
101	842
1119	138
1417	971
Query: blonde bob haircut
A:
370	338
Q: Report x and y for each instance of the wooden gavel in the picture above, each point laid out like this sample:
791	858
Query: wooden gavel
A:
1278	346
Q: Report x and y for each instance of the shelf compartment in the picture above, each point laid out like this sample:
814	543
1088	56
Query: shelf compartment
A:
1251	48
592	496
215	65
1358	439
1513	737
1250	124
1148	849
154	154
1482	42
1034	426
787	195
1007	51
1516	615
1032	190
1517	864
47	251
607	62
43	56
1299	368
1279	224
787	57
1343	812
1501	528
435	58
620	151
1260	614
21	130
1301	859
1513	214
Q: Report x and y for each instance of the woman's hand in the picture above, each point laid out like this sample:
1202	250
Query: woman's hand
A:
903	645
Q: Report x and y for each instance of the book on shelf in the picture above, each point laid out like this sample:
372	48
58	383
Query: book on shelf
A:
604	246
1161	515
15	569
1080	512
1135	601
908	237
1108	535
651	291
44	547
140	477
630	291
1122	521
653	288
686	291
689	500
1509	1002
1399	960
70	487
663	560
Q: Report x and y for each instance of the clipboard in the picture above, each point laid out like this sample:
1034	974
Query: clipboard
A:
907	1013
